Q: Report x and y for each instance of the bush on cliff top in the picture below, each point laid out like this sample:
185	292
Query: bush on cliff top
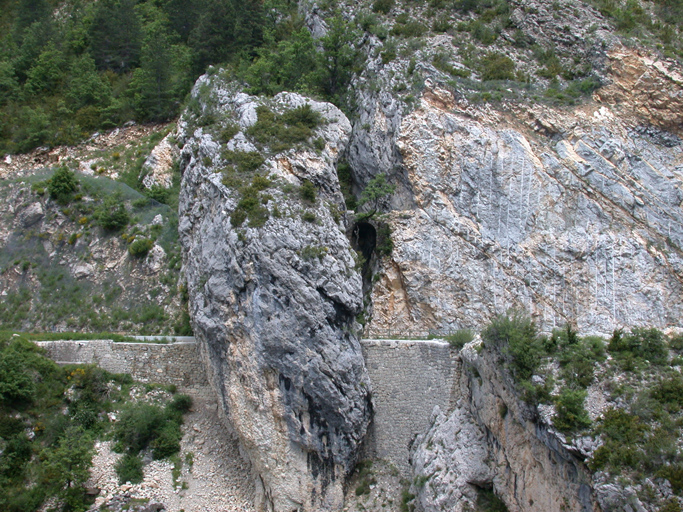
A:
516	335
62	185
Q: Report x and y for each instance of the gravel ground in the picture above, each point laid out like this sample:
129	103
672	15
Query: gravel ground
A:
217	480
379	488
213	477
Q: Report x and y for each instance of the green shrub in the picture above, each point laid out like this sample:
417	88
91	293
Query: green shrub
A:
388	55
408	28
140	247
182	327
250	205
577	357
181	403
620	426
671	505
302	116
62	185
229	132
571	414
385	244
482	33
129	469
460	338
307	191
669	393
112	214
441	62
244	161
138	427
282	132
167	440
310	251
308	216
16	382
345	176
407	499
487	501
676	342
515	334
621	432
237	217
382	6
376	192
674	474
156	193
496	66
549	59
441	25
648	344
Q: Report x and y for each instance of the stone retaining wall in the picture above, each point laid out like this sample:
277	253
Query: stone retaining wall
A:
409	378
172	363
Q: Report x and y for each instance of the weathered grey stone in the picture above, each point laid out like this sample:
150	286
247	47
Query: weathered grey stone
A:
31	215
585	228
274	309
450	460
493	438
83	271
155	258
158	167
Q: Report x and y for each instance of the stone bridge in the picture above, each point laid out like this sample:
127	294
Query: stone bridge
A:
409	378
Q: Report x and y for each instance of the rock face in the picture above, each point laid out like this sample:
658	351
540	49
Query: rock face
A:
493	439
159	164
274	306
646	85
578	220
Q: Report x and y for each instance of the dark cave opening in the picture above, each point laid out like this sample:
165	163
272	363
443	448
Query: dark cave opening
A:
364	239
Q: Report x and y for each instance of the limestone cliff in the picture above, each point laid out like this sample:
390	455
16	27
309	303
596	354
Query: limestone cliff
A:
583	224
493	439
570	210
573	215
274	298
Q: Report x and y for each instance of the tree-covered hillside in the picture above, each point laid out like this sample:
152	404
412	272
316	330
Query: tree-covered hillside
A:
69	68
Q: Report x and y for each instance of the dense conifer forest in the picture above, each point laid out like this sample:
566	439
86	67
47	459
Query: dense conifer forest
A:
70	68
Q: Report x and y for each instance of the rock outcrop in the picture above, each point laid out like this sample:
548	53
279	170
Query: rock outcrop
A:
494	439
273	301
649	86
578	220
158	167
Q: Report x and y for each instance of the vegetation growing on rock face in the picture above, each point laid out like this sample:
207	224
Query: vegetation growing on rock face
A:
62	185
103	217
638	374
374	195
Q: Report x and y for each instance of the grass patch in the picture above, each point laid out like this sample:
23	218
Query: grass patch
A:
251	204
282	132
460	338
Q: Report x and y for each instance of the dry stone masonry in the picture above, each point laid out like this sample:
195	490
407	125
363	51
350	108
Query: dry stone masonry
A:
409	379
161	363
